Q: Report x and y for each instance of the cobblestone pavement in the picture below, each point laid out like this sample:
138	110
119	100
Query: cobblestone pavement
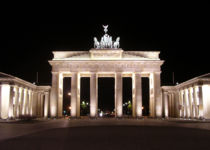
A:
105	134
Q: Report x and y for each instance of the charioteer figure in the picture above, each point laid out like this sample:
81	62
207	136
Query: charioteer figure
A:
106	41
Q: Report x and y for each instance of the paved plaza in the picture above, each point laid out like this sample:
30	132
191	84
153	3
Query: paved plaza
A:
105	134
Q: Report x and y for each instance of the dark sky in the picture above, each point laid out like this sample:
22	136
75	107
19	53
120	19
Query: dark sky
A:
178	31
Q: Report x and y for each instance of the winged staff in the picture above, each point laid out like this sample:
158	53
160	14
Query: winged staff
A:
106	41
105	28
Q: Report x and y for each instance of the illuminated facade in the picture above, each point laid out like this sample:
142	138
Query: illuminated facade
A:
19	98
190	99
106	60
114	63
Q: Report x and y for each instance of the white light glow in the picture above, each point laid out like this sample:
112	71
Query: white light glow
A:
101	114
5	95
53	110
206	101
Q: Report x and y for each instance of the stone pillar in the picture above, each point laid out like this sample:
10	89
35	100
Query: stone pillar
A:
190	102
21	98
24	101
46	104
180	104
133	95
200	97
16	114
34	104
195	102
172	105
30	103
186	103
42	105
158	95
75	95
27	102
169	104
183	104
118	95
11	99
166	104
38	104
155	95
5	101
54	95
93	95
137	95
0	100
60	95
151	96
177	104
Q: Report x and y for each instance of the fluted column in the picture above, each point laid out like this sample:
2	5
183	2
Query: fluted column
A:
60	95
183	104
16	114
186	104
46	104
54	95
93	95
190	102
151	96
11	98
38	104
21	98
155	95
25	101
137	95
169	104
195	102
5	100
42	106
200	97
180	104
75	95
34	104
118	95
166	104
0	100
30	103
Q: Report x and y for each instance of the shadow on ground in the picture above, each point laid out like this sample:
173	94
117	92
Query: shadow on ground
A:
112	137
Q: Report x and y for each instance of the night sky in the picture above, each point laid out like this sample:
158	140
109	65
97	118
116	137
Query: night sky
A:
178	31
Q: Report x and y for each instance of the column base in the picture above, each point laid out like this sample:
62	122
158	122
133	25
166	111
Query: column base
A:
139	118
119	117
93	118
74	118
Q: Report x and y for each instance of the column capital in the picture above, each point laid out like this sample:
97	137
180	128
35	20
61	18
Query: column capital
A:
46	93
139	73
119	72
54	73
165	92
157	72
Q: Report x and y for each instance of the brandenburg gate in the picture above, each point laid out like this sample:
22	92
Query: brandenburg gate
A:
106	59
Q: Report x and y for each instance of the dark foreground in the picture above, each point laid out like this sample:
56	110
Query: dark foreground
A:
112	138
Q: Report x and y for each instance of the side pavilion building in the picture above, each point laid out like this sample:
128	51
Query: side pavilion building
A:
21	99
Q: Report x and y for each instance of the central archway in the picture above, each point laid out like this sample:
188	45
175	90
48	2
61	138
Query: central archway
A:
106	96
